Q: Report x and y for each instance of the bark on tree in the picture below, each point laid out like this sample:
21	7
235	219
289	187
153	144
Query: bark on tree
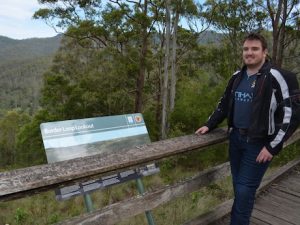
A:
173	63
279	16
166	73
142	70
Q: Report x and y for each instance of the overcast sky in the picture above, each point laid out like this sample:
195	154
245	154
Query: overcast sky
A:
16	20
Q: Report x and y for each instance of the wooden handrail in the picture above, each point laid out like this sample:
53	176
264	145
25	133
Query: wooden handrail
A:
22	182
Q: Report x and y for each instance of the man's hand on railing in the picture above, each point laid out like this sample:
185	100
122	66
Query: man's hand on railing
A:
202	130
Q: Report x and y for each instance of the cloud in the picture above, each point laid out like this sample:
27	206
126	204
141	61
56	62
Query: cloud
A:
16	20
18	9
25	29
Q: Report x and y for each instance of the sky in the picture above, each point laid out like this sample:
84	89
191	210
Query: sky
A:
16	20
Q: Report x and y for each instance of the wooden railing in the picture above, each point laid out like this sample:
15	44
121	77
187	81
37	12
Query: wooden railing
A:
28	181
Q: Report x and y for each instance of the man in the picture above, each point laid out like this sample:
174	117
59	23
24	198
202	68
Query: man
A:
259	123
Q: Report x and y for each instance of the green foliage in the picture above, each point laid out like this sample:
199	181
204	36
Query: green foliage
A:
235	19
54	219
22	64
234	16
87	83
30	150
20	216
190	110
287	154
10	125
15	51
171	169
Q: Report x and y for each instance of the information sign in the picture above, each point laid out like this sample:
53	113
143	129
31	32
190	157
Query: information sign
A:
64	140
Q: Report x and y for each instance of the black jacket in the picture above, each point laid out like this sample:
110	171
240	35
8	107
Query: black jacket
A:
273	116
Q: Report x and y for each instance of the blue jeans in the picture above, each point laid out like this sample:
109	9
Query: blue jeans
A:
246	175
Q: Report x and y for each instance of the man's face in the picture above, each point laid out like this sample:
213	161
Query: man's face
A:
253	53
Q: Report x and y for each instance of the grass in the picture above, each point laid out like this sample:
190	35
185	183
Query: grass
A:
43	209
186	207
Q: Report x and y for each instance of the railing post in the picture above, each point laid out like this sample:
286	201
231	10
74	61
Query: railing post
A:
88	203
141	190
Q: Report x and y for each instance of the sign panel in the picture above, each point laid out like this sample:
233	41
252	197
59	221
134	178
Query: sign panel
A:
64	140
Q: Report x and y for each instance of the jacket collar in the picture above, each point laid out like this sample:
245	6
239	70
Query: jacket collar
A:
265	68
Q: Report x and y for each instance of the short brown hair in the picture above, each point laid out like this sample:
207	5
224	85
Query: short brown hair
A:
258	37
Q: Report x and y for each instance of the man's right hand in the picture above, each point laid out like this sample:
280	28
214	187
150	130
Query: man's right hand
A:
202	130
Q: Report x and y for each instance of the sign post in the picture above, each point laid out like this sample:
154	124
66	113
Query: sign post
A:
141	189
88	203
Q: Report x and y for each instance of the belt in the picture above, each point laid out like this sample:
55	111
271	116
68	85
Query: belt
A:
242	131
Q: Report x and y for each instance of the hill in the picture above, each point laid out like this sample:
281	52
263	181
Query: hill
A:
11	49
22	65
210	37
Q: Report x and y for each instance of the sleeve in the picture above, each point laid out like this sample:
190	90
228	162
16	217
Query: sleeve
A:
288	85
221	111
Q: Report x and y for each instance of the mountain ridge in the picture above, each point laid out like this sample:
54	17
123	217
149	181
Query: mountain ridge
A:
22	65
12	49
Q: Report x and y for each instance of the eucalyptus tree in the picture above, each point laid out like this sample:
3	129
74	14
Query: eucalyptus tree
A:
166	72
234	19
174	12
284	20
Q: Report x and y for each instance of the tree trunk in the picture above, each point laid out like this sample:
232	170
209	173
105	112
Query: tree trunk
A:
279	17
142	67
173	65
282	35
276	28
166	74
159	82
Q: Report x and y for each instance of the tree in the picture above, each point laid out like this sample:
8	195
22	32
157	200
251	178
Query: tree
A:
119	25
166	73
87	82
173	12
10	125
234	19
187	9
30	150
284	17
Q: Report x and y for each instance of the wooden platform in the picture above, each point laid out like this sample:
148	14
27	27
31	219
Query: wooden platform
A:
278	205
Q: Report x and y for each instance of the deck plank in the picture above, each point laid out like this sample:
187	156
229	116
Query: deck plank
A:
278	210
288	191
285	195
281	199
267	218
291	185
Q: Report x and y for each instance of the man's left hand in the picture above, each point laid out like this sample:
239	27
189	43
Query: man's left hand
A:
264	156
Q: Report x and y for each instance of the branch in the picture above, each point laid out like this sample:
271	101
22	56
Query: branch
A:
74	9
138	3
271	12
126	14
157	9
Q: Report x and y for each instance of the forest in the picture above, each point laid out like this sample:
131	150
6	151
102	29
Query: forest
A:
169	60
22	64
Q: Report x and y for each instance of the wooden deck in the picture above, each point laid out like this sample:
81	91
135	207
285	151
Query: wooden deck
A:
278	205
